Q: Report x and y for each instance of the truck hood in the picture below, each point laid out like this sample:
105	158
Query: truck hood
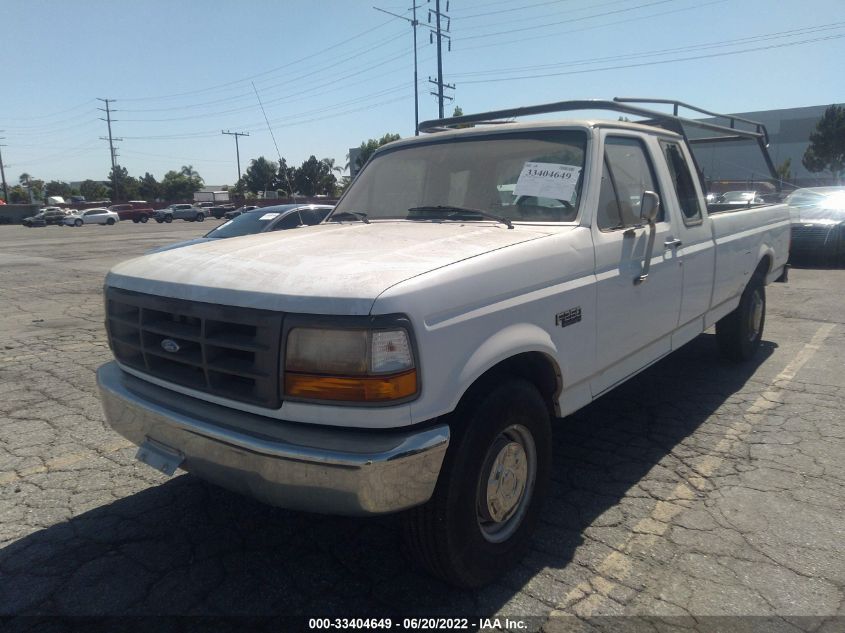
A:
324	269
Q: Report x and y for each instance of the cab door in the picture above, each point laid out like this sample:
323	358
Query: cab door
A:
635	319
694	235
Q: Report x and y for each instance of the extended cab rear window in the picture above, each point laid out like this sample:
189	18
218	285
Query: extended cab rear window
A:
531	176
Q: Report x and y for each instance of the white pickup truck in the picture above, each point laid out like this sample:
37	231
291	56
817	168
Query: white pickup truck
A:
412	353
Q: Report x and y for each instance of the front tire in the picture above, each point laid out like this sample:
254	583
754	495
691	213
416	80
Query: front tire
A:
200	217
168	218
77	222
486	504
143	219
740	332
110	221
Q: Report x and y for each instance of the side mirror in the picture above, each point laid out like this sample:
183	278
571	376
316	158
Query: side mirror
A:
649	206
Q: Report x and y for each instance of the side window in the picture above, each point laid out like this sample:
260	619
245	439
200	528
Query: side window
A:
608	212
290	221
628	172
682	179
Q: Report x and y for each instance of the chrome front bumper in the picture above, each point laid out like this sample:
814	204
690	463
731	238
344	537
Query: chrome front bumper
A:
298	466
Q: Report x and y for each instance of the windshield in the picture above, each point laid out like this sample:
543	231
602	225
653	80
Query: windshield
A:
825	207
246	223
530	176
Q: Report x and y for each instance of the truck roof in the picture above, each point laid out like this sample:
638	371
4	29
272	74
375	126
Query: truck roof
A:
583	124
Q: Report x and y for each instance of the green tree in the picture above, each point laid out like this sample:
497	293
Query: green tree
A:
127	186
93	190
315	177
33	186
57	188
18	195
285	178
370	146
261	175
148	187
181	185
827	144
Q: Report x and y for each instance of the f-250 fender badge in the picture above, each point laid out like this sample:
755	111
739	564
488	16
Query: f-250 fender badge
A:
568	317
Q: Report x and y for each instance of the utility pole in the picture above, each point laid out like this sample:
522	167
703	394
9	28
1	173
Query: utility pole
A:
111	141
3	171
414	24
237	149
438	33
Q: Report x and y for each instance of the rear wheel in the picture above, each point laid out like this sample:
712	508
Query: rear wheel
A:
739	333
143	219
479	521
135	220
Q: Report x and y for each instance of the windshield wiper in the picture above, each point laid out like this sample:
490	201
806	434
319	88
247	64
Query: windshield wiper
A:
356	214
450	209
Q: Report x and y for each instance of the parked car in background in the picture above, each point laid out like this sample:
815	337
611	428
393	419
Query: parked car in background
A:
818	224
97	215
220	210
235	213
740	198
187	212
47	215
276	218
135	210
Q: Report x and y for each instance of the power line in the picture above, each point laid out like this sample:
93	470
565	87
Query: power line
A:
581	29
568	21
654	63
664	51
307	58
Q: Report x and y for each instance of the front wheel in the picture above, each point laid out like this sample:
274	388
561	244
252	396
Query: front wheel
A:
143	219
200	217
740	332
168	218
479	521
77	222
110	221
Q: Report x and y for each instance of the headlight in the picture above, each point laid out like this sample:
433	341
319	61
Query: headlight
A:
355	365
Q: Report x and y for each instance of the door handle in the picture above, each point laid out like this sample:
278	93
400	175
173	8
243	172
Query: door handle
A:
672	243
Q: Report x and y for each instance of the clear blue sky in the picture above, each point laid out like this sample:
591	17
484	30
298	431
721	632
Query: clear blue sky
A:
332	73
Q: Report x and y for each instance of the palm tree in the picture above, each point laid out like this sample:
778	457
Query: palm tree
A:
330	163
24	179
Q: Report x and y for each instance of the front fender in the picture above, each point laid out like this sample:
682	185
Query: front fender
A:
518	338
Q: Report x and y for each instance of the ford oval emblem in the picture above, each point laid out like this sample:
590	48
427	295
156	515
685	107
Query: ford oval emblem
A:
169	345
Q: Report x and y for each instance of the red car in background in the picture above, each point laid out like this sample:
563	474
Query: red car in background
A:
135	210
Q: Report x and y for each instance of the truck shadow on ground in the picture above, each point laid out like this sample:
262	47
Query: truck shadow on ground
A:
185	547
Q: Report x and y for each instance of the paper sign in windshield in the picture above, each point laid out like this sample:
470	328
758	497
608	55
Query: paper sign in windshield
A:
269	216
547	180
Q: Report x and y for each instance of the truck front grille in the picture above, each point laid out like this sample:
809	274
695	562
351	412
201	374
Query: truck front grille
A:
226	351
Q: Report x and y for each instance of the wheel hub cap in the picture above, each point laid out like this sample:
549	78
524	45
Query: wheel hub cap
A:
507	480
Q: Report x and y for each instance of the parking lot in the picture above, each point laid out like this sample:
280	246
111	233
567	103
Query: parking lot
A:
699	488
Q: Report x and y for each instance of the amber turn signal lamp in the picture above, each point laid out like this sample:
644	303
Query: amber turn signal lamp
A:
351	388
